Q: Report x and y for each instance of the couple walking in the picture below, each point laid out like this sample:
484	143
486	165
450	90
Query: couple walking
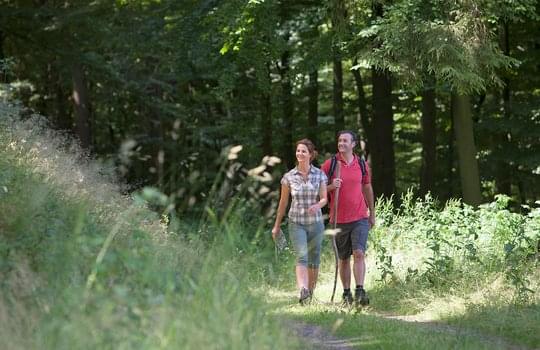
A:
344	174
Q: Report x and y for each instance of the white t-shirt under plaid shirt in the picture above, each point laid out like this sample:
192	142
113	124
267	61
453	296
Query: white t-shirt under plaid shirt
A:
304	194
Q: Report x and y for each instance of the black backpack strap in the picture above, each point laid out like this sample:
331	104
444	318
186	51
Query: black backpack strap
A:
362	163
333	163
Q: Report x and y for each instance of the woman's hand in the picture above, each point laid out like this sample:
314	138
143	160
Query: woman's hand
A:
314	209
336	182
275	232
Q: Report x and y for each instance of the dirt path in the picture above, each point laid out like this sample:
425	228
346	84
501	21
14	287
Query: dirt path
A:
320	338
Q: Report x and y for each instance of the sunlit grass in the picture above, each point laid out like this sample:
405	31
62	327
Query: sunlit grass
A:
480	302
415	318
84	267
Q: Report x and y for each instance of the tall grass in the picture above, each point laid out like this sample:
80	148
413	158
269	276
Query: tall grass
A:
83	266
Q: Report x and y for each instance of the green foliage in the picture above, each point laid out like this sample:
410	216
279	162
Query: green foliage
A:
81	268
456	243
450	41
171	83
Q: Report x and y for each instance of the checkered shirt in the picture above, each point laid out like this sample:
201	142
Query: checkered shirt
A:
304	194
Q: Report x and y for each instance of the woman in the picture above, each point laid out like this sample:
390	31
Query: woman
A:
307	185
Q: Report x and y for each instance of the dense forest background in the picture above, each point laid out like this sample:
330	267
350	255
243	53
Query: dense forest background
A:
445	94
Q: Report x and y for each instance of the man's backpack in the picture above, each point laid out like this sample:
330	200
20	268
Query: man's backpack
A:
333	163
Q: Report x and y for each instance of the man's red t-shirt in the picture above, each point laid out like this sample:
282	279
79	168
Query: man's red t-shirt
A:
351	203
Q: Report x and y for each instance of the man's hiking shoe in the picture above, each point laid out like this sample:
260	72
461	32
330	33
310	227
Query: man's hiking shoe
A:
360	297
347	298
305	296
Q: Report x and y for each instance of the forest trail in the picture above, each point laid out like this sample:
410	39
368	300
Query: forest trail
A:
317	337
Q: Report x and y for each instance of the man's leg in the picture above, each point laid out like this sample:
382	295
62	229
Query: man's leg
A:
345	276
359	267
359	236
359	270
343	242
345	272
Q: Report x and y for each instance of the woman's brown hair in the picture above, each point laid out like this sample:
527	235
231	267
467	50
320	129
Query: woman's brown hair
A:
310	146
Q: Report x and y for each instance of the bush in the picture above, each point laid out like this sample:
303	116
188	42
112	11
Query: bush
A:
445	247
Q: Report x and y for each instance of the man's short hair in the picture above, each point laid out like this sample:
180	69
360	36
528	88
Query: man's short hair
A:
350	132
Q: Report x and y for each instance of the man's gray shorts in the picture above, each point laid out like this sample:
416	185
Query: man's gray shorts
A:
353	236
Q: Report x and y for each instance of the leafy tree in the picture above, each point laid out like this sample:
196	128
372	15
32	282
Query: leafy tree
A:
452	43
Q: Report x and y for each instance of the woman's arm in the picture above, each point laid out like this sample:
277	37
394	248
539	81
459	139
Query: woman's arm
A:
322	199
283	202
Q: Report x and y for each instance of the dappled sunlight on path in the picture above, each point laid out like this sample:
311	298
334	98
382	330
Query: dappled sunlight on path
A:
326	325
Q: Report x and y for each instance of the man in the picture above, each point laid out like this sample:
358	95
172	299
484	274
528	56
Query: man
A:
355	213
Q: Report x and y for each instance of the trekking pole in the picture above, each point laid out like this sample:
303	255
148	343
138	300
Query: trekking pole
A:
334	244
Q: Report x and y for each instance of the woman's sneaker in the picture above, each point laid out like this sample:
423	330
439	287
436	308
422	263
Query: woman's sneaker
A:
360	297
305	296
347	298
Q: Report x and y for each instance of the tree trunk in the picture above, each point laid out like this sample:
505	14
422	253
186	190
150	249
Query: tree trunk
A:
3	73
502	175
468	165
81	104
266	124
363	120
154	141
266	115
313	107
63	118
339	21
155	134
429	141
339	118
451	148
288	110
382	144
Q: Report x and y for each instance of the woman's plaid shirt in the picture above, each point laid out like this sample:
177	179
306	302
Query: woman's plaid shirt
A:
304	194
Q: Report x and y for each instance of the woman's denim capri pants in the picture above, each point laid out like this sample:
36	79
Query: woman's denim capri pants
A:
306	240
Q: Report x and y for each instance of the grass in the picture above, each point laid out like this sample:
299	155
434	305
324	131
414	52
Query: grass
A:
364	330
485	307
372	332
478	316
82	266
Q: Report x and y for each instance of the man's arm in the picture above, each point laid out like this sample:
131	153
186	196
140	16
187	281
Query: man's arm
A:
370	200
335	181
335	184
